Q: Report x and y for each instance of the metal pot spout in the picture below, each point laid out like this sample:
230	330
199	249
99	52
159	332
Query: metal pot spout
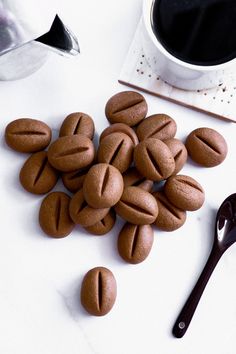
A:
60	39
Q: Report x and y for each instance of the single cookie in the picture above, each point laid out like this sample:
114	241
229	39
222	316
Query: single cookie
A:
126	107
37	176
184	192
116	149
169	217
27	135
103	186
154	160
158	126
137	206
81	213
207	147
77	123
54	217
71	153
98	291
135	242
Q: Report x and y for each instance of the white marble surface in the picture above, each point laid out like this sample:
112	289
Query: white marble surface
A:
40	311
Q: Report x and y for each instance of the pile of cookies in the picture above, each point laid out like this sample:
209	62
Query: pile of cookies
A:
120	178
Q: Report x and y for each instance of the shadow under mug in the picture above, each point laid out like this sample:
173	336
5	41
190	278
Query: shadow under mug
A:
173	70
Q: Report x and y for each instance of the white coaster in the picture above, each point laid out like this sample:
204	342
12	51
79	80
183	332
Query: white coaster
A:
219	101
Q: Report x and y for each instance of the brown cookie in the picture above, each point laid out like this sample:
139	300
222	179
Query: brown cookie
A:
179	153
71	153
98	291
103	226
120	128
158	126
135	242
103	186
27	135
77	123
81	213
184	192
169	217
137	206
116	149
126	107
133	178
73	181
154	160
37	175
207	147
54	217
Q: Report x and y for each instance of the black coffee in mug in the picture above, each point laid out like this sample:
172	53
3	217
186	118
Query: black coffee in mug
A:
201	32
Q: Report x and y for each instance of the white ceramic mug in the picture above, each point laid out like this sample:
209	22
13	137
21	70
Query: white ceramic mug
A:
173	70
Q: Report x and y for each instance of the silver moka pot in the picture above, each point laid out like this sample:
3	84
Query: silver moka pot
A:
27	36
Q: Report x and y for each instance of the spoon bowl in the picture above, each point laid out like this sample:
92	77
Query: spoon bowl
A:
225	228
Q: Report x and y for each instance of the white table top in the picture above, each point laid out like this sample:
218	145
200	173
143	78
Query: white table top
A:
41	277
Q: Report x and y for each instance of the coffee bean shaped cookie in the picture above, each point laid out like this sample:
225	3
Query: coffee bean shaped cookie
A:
81	213
27	135
103	186
37	175
207	147
54	217
103	226
120	128
158	126
126	107
184	192
135	242
73	181
98	291
137	206
179	153
77	123
133	178
154	160
169	217
71	153
116	149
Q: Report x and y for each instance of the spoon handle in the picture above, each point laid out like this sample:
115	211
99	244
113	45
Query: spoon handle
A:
185	316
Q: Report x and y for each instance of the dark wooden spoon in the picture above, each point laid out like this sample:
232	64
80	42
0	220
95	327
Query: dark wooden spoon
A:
225	236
